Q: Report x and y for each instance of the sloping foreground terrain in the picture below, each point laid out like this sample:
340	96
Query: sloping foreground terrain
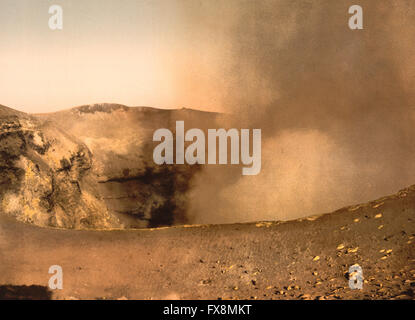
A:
91	167
301	259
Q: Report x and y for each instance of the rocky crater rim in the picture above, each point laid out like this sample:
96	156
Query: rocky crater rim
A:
259	224
104	107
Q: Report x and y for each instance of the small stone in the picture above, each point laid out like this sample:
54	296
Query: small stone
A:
379	215
378	205
403	297
316	258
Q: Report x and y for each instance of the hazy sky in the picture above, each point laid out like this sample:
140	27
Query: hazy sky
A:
162	53
216	55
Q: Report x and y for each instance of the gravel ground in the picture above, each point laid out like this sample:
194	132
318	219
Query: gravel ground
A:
302	259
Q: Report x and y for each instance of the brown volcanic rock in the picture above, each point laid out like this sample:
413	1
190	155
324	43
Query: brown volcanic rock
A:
42	175
92	167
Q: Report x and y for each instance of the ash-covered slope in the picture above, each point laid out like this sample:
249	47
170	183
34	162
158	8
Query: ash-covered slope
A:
91	167
302	259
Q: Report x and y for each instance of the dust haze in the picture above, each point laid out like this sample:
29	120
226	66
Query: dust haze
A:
336	108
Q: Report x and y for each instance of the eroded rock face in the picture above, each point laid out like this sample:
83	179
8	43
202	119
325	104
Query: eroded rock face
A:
42	176
91	167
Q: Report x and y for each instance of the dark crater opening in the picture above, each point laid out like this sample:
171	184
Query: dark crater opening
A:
34	292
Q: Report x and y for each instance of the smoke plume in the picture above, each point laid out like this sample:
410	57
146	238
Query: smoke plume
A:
336	108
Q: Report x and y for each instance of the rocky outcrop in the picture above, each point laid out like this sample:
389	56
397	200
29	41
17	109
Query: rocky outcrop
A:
42	176
91	167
